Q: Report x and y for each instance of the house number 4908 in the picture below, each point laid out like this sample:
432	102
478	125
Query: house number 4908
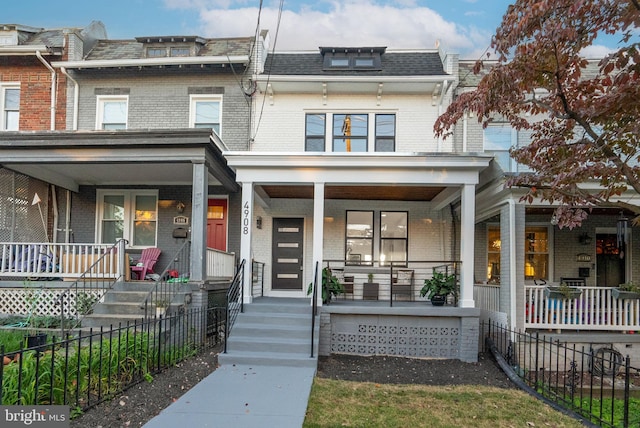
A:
245	219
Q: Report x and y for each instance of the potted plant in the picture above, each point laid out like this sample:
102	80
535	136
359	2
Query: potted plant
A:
628	290
33	338
438	287
562	292
330	285
370	288
161	307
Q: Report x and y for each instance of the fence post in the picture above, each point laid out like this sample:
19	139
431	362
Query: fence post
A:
627	376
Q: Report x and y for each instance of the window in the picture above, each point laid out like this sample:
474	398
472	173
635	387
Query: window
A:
112	112
350	132
498	139
365	59
315	133
393	238
359	245
385	132
180	51
156	52
494	245
536	250
206	112
10	102
131	215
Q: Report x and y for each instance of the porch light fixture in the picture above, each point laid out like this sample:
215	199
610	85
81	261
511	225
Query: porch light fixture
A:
585	239
622	225
259	222
180	207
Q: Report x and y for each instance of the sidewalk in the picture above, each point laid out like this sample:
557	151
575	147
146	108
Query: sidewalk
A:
242	396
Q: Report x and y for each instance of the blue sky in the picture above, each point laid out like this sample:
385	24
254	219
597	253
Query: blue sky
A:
462	26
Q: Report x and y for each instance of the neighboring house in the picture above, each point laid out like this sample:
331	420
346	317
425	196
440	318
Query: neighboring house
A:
33	98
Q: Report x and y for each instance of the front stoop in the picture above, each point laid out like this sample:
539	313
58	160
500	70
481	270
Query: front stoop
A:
121	305
273	332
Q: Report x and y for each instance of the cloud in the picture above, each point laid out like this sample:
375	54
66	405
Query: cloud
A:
342	23
596	51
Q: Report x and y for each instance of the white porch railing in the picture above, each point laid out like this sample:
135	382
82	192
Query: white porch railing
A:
594	309
44	260
220	264
487	296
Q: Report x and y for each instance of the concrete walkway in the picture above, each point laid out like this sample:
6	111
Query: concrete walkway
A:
242	397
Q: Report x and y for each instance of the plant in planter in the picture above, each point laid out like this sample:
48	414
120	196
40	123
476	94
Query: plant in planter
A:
628	290
330	285
161	307
33	338
438	287
562	292
370	288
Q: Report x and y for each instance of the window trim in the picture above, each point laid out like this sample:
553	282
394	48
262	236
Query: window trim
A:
4	86
129	213
194	99
405	239
101	100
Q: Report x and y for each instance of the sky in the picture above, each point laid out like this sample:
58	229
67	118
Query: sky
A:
458	26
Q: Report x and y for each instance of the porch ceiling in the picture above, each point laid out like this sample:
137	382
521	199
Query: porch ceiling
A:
389	193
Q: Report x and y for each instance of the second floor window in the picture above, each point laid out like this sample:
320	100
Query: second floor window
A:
385	132
498	138
350	132
206	112
112	112
315	129
10	102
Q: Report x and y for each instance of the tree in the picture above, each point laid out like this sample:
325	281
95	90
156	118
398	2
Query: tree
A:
583	117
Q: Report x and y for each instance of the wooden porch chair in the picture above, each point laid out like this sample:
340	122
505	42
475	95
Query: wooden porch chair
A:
146	263
402	284
347	282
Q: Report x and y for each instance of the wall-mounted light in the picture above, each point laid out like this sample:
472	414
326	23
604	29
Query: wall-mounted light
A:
259	222
585	239
180	207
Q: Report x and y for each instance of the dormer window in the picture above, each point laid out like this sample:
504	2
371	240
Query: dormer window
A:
180	52
156	52
365	59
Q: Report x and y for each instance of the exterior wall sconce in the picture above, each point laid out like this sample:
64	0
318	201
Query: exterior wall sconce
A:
585	239
622	225
259	222
180	207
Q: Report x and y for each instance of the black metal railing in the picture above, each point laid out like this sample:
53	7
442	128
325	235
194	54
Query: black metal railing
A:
591	383
235	300
171	283
90	287
84	370
314	306
257	278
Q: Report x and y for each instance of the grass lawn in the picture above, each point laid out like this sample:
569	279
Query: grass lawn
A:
336	403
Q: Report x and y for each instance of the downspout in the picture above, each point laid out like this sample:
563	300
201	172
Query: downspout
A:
445	88
54	199
67	220
76	91
464	132
512	264
53	89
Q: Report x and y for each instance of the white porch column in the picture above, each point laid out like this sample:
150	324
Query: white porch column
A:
245	238
318	233
467	238
199	222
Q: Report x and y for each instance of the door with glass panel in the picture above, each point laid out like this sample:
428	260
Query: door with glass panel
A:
287	254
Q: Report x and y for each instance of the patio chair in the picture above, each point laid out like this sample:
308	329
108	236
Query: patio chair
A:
347	282
402	284
146	263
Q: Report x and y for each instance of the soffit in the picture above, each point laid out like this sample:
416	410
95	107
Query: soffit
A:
387	193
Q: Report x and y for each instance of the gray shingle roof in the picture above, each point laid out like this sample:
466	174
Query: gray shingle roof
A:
393	64
132	49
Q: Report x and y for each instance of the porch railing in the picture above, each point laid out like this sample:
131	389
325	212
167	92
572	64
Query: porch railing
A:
487	296
235	300
220	264
39	260
594	309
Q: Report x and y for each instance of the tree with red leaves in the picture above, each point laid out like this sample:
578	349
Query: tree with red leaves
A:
584	120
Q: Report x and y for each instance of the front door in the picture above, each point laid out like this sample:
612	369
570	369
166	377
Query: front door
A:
217	224
287	254
609	261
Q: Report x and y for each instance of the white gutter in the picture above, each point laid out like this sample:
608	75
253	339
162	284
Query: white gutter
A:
22	50
145	62
53	89
343	78
76	97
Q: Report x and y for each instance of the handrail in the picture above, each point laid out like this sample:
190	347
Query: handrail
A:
92	280
314	306
178	272
235	301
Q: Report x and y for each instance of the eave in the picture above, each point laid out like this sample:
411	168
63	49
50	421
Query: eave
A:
150	62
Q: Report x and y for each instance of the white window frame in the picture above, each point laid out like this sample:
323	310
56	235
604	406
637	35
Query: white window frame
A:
129	212
195	99
512	164
101	100
4	86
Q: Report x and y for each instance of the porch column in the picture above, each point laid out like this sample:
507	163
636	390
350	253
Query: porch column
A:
318	233
467	238
199	222
245	238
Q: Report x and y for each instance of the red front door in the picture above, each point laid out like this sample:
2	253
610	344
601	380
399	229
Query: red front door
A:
217	224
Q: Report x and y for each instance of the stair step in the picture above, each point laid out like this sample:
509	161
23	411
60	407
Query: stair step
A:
120	308
106	320
268	344
268	359
274	318
275	331
125	296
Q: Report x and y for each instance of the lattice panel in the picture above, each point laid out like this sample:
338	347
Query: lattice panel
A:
37	302
20	221
375	337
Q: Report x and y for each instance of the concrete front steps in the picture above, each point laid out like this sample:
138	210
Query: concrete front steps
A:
272	332
121	305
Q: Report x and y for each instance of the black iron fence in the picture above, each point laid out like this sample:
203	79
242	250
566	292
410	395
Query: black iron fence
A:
91	367
596	384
